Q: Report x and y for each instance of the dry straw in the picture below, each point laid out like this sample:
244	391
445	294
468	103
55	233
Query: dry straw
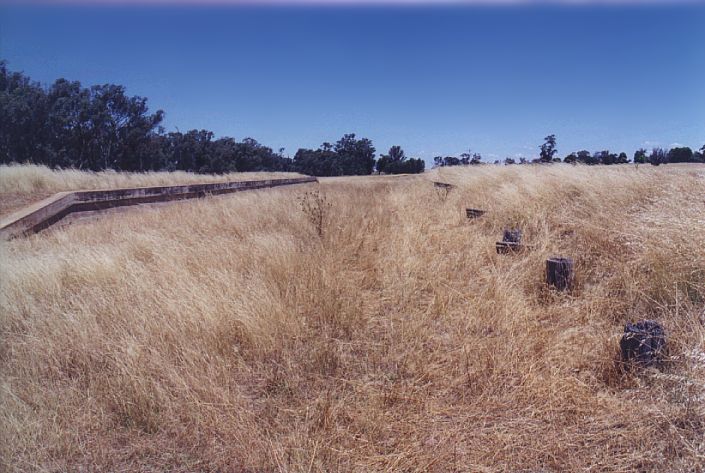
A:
239	333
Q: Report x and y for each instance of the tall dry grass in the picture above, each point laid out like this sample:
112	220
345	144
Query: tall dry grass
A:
30	178
227	334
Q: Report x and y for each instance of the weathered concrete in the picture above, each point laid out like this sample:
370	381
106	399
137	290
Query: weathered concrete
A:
643	343
504	247
43	214
475	213
511	242
443	185
560	274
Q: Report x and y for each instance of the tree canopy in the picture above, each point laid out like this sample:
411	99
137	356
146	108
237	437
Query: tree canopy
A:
548	149
99	127
396	162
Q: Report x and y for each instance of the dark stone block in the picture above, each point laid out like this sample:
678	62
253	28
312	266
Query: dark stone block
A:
512	236
504	247
474	213
559	273
643	343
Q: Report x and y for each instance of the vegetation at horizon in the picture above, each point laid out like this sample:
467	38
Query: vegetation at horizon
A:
97	128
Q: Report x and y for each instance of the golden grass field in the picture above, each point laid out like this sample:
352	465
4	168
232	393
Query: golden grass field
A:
359	324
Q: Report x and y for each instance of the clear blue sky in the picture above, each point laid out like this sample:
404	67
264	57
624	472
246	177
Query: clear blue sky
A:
433	80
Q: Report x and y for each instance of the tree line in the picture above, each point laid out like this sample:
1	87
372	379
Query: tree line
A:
548	151
66	125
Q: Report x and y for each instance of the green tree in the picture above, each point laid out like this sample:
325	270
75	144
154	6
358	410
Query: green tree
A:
24	136
548	149
699	156
101	127
357	155
658	156
68	125
640	156
470	158
680	155
396	162
386	161
585	157
320	162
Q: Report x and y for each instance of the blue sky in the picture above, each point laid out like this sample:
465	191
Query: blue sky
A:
435	80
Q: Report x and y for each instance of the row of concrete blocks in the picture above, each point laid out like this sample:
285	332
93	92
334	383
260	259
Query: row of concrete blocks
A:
643	343
43	214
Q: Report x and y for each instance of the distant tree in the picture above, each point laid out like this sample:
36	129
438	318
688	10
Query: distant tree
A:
123	124
152	155
640	156
585	157
442	161
396	162
220	156
508	161
396	155
24	109
471	158
253	156
658	156
548	149
680	155
414	166
68	125
699	156
190	151
600	157
357	156
321	162
604	157
98	127
101	127
349	156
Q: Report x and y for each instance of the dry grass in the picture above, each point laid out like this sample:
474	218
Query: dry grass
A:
31	178
225	334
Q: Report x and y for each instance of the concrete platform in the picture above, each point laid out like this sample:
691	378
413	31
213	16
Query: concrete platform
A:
45	213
